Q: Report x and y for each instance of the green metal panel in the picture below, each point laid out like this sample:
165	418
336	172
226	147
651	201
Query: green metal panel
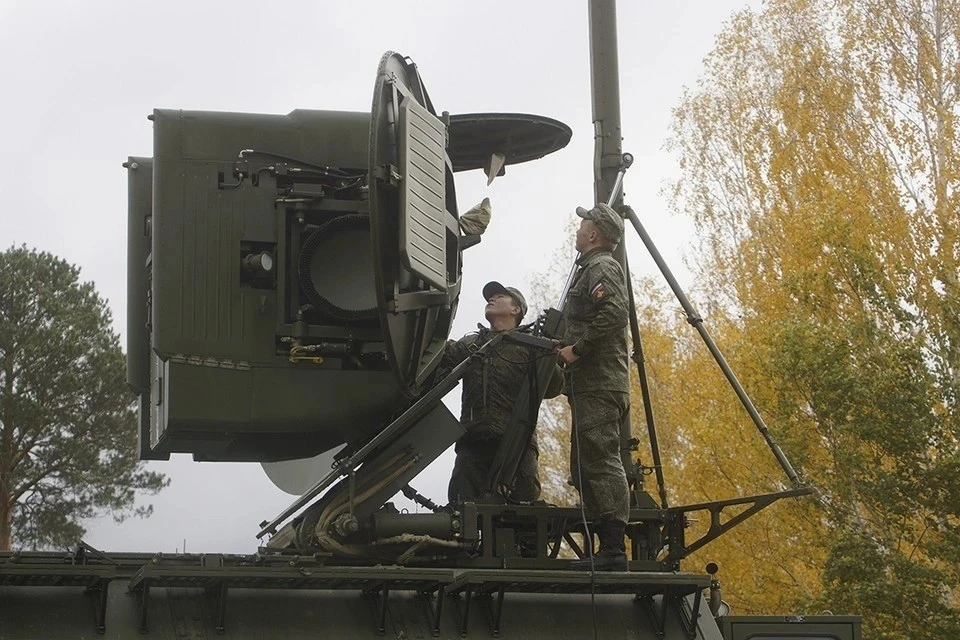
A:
139	200
791	627
89	594
423	215
178	613
222	385
139	266
272	413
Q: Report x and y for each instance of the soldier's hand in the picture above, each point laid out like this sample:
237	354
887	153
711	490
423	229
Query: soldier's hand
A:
567	356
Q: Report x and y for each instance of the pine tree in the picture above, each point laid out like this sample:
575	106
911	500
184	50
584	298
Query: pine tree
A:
68	432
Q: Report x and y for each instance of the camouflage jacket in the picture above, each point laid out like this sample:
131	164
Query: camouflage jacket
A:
490	387
595	318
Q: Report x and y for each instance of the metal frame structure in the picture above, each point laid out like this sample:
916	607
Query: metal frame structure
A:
662	594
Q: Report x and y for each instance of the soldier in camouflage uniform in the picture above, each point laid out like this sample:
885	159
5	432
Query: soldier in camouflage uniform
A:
489	392
597	382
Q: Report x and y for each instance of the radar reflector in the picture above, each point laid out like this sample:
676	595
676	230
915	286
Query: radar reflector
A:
413	222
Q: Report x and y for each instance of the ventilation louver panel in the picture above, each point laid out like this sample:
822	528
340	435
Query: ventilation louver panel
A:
423	193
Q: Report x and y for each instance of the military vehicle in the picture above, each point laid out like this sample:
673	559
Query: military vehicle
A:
292	282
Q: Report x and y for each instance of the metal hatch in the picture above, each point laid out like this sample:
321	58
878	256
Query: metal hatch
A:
413	222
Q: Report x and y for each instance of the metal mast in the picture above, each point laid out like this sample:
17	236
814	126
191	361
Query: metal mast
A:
605	96
608	161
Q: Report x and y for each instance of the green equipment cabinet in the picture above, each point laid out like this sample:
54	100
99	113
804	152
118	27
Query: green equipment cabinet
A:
790	627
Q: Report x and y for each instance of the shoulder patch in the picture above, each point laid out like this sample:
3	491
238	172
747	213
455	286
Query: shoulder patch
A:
598	291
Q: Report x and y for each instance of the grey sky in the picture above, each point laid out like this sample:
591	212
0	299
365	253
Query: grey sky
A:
81	77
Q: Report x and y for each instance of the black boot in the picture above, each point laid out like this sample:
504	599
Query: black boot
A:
612	555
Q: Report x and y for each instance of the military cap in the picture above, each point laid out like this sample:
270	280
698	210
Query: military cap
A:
492	288
608	221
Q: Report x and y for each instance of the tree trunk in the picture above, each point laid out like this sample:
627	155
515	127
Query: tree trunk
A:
6	521
6	456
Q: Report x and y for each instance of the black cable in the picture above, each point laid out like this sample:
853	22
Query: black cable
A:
304	163
333	181
351	185
583	511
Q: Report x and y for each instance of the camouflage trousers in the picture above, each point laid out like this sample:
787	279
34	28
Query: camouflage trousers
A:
595	465
473	465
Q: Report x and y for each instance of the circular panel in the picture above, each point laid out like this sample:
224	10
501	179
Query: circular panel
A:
336	272
297	476
414	319
474	137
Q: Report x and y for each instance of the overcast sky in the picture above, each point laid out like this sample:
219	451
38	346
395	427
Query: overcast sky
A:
79	79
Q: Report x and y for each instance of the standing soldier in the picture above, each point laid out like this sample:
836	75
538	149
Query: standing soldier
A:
490	391
597	383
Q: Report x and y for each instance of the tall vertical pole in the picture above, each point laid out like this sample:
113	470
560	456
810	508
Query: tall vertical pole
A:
605	92
607	138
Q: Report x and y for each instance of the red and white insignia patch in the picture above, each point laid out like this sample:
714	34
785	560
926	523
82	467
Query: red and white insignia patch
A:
598	291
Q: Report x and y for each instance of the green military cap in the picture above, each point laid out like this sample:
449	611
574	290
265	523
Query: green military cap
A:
492	288
608	221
